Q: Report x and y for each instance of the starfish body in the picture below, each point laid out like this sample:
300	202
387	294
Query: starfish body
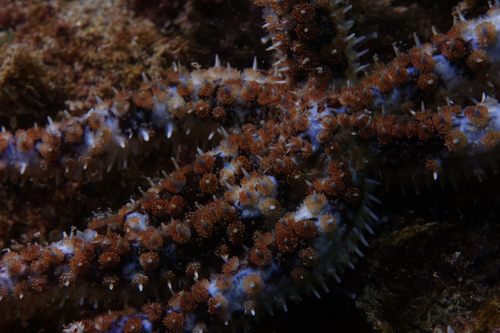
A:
280	203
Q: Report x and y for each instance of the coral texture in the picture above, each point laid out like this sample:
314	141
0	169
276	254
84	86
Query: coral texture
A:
261	182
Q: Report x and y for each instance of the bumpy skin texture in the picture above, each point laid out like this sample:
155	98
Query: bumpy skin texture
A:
279	195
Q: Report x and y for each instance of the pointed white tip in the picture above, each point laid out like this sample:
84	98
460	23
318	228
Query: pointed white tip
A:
217	62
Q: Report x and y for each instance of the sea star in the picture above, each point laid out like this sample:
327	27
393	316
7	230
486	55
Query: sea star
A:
281	202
